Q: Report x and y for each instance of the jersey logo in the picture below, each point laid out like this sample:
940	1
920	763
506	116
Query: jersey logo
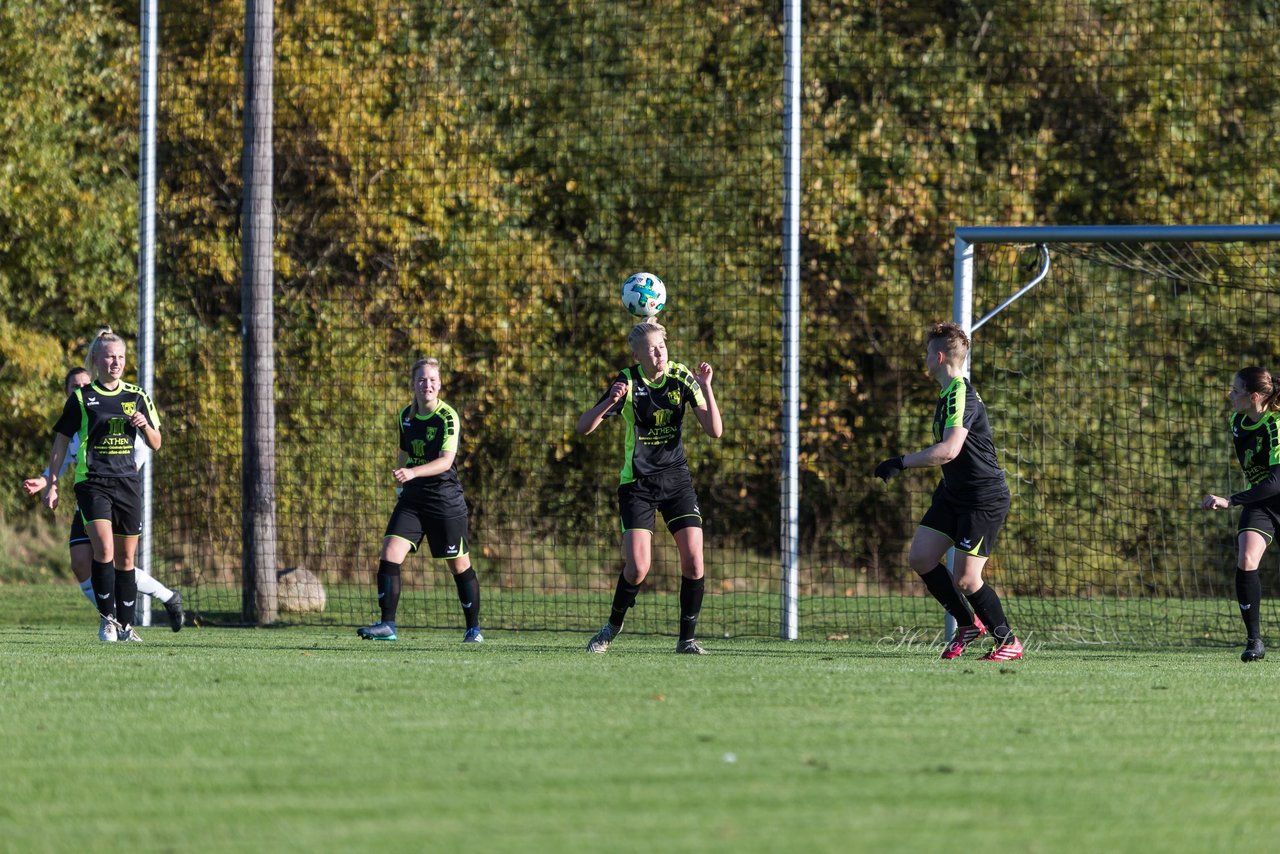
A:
129	408
674	397
93	401
431	433
419	448
115	427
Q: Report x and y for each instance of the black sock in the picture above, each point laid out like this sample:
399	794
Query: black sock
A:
469	595
1249	595
690	605
943	588
103	576
623	598
986	604
388	590
126	596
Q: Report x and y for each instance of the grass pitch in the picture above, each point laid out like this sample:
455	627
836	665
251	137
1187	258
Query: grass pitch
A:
311	739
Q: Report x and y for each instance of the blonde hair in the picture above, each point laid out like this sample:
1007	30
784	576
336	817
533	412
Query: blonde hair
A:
428	362
643	330
100	340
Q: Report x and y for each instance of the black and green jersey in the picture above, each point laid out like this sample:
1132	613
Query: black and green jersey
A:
426	437
1258	450
100	417
975	473
654	414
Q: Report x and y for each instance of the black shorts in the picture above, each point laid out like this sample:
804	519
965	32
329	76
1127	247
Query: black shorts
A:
1263	518
972	528
447	538
117	500
78	534
670	492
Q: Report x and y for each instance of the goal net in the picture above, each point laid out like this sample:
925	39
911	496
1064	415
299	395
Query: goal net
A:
1106	384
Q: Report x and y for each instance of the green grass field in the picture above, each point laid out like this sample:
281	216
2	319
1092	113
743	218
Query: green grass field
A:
310	739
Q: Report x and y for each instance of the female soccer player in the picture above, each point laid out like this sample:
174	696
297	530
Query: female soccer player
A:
1255	431
969	505
107	415
431	504
651	397
81	552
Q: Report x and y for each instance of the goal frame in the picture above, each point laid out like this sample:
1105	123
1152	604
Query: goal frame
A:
966	237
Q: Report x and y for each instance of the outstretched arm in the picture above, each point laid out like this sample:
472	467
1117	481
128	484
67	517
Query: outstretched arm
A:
937	454
1264	490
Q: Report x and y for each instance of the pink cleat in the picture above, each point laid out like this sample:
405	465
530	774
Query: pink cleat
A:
964	636
1010	651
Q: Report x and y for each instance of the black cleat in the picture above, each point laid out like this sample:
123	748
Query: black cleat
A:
174	609
1253	650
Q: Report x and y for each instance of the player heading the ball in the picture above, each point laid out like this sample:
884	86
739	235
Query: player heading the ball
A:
651	396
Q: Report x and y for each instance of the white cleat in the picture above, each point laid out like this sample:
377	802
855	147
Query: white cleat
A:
600	643
108	630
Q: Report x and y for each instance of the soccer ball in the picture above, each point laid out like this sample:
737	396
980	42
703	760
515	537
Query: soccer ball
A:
644	295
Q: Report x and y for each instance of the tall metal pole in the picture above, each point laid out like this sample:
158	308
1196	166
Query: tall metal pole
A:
961	313
789	627
148	57
258	503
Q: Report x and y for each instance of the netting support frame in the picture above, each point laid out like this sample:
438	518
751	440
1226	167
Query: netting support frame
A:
789	622
147	97
259	603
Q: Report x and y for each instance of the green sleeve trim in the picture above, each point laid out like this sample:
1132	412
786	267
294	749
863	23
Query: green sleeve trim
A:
1273	439
82	463
957	396
628	474
152	415
451	427
691	383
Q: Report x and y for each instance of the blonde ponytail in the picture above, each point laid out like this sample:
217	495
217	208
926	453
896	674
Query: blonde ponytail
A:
101	339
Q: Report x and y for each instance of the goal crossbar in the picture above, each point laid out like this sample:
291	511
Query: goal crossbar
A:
967	236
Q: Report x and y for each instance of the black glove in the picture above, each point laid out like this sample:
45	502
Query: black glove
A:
889	468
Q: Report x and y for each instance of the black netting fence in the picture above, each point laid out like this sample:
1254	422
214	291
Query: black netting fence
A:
474	181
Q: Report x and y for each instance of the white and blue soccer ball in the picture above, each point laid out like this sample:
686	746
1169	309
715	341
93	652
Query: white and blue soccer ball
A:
644	295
